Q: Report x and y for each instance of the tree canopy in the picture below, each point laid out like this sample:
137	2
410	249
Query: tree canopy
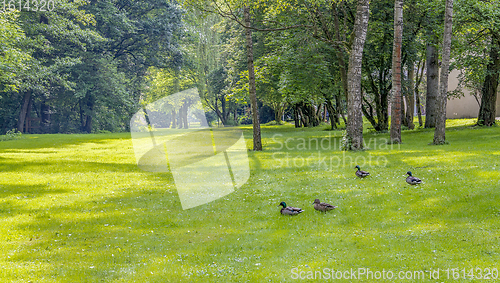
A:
87	66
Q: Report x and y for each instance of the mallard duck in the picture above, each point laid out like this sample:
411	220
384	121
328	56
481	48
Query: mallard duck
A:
288	210
412	180
360	173
321	206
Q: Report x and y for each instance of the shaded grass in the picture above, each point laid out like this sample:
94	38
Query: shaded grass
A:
77	208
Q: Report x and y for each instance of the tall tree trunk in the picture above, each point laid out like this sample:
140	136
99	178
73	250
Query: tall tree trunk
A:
257	143
218	112
404	103
183	116
410	102
354	127
82	115
487	110
28	117
224	114
90	109
296	116
432	84
24	110
419	109
396	73
278	113
174	119
338	110
304	119
88	124
439	132
417	91
45	118
331	114
339	51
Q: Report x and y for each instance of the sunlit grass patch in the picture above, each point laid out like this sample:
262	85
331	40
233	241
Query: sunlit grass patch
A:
77	208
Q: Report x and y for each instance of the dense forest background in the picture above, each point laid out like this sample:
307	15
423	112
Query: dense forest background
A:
87	66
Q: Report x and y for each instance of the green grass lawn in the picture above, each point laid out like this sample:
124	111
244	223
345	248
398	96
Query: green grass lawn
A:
76	208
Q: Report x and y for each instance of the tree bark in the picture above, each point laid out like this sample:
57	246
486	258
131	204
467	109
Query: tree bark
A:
174	119
24	110
410	102
396	73
487	110
440	130
183	116
45	117
340	52
338	110
419	109
90	109
331	114
225	113
432	84
257	143
296	116
354	127
278	113
417	92
28	118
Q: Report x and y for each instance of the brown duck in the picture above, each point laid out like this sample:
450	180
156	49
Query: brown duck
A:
321	206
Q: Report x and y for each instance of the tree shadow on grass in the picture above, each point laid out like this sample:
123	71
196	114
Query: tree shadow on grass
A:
27	191
68	166
61	140
116	237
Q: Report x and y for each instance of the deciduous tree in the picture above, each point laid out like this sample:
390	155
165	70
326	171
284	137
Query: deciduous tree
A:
439	133
396	73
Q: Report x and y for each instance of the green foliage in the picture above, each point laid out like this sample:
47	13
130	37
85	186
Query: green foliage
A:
87	61
11	135
91	64
274	123
475	23
245	120
13	59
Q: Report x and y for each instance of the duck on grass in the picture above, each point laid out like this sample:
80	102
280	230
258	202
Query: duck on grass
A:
412	180
360	173
322	206
289	210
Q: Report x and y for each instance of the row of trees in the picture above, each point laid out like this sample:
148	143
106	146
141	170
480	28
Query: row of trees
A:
306	60
316	55
82	67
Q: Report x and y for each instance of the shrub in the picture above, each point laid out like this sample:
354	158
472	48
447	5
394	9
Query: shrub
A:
245	120
11	135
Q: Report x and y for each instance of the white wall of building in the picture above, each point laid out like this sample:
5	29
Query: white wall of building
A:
466	106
